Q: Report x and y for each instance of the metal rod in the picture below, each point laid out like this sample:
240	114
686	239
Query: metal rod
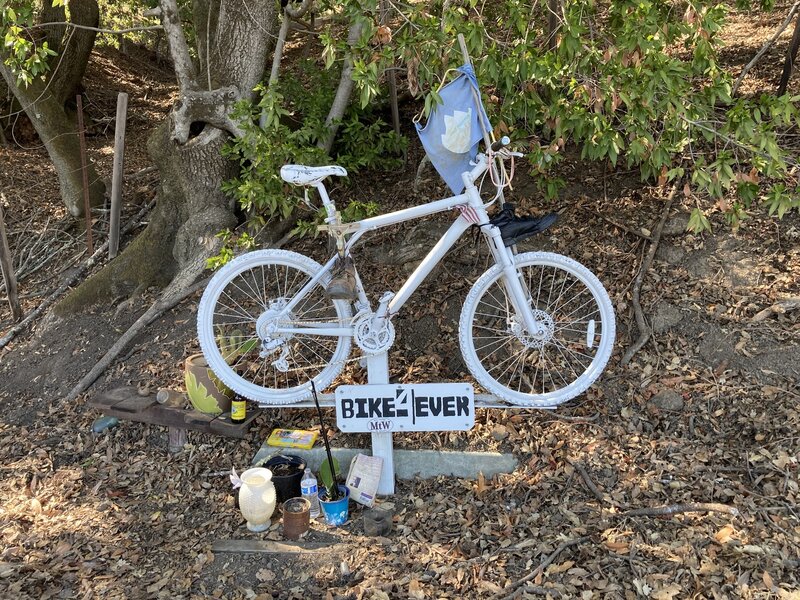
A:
334	493
85	172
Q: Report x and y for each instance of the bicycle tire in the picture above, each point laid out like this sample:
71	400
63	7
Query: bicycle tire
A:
487	317
249	288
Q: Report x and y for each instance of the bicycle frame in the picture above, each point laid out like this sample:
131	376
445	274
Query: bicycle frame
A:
471	197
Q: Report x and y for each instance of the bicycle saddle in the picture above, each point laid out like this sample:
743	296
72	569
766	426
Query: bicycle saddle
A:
303	175
514	229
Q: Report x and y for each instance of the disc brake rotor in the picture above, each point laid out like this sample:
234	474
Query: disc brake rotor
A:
545	329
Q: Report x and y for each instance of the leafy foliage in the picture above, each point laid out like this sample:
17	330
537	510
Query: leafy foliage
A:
631	83
294	119
326	475
22	51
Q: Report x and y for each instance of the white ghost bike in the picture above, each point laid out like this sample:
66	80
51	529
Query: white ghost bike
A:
536	329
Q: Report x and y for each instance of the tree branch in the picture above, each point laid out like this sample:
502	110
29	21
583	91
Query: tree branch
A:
508	591
765	47
208	107
184	69
674	509
52	20
343	92
791	55
75	55
87	264
641	324
96	29
288	14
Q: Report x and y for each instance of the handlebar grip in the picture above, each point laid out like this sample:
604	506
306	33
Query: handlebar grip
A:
501	143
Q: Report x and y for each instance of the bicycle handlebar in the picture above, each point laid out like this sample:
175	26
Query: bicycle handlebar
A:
501	143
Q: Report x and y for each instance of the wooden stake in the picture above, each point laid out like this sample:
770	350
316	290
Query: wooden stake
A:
116	179
7	268
84	171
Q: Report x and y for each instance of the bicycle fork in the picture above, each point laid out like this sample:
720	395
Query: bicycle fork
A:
516	292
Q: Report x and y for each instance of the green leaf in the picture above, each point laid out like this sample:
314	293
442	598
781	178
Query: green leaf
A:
325	474
698	222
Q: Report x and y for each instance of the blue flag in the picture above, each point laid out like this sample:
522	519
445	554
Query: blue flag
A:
451	135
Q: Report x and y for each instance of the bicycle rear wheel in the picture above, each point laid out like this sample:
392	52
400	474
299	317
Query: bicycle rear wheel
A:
241	306
569	352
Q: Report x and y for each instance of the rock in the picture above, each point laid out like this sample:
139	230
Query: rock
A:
500	432
676	225
672	255
103	423
667	400
666	316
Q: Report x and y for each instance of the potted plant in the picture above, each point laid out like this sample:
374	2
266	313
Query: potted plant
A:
287	471
206	392
334	499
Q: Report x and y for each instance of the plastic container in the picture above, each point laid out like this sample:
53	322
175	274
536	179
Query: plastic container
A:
310	491
336	511
287	471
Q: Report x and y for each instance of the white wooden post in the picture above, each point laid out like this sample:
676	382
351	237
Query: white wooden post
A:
382	443
7	268
116	179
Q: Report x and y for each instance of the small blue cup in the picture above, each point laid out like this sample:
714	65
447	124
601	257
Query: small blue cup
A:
336	512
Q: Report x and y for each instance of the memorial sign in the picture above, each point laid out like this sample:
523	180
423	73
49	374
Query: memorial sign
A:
405	407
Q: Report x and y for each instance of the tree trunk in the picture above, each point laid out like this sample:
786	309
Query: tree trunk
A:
59	134
343	92
43	102
191	207
791	55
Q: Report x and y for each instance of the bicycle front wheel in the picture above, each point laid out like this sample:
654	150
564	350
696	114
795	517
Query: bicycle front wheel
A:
569	350
240	311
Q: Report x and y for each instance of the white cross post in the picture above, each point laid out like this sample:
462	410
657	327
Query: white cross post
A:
382	444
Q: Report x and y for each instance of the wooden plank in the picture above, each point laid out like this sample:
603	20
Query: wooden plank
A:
135	405
268	546
195	417
116	178
7	267
126	403
223	425
114	396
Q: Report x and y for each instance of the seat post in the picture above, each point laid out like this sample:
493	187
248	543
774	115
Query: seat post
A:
330	208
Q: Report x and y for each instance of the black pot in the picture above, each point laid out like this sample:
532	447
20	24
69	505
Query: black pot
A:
287	471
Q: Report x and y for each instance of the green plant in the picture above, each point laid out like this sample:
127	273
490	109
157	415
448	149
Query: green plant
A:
23	51
234	344
326	474
294	114
633	83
